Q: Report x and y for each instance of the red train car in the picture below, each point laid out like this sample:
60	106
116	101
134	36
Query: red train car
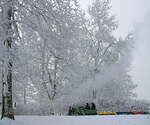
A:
138	112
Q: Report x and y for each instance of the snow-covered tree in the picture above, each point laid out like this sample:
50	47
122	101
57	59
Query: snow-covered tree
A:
106	62
65	58
51	36
8	37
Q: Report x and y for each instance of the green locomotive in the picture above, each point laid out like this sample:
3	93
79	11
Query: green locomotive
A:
83	110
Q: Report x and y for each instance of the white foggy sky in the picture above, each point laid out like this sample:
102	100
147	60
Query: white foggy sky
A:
132	16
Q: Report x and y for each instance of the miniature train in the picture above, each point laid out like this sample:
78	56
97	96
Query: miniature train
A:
91	110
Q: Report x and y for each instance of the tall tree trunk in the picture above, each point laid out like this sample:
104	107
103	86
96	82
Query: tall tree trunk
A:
7	105
43	70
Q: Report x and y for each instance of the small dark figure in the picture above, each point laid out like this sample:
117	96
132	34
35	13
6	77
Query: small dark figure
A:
93	106
70	111
73	110
87	106
15	104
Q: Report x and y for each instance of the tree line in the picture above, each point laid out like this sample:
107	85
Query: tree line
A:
53	56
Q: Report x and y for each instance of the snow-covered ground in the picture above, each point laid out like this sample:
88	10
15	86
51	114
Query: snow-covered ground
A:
79	120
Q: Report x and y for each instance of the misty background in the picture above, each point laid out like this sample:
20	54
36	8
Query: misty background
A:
134	16
62	58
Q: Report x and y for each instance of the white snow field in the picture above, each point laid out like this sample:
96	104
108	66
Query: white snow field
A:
79	120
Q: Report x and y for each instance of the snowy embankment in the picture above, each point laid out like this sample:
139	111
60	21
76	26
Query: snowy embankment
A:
79	120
